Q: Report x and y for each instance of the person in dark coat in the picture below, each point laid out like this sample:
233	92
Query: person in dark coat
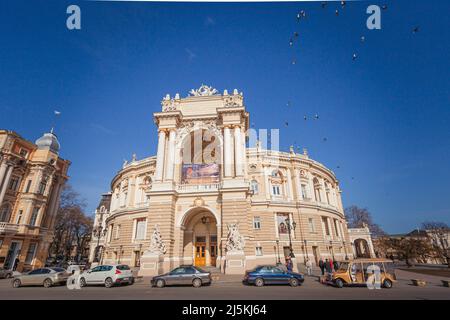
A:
289	264
16	263
322	266
335	265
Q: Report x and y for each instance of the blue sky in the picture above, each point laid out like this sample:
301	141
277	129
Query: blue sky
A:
385	115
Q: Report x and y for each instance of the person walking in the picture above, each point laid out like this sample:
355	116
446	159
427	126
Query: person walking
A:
331	264
16	263
308	267
289	264
336	265
322	266
328	268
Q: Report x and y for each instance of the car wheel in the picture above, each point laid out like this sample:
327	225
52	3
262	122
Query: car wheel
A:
48	283
293	282
197	283
16	283
339	283
160	283
108	283
259	282
82	282
387	284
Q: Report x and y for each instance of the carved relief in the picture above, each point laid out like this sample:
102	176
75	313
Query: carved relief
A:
157	245
235	241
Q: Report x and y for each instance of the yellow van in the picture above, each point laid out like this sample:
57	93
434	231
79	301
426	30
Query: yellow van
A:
364	271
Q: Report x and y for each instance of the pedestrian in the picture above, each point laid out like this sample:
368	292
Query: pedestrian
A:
16	263
336	265
309	267
328	268
331	264
322	266
289	264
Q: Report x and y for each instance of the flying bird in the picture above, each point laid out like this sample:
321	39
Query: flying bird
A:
291	42
286	123
416	29
316	116
296	34
325	139
304	117
354	56
384	7
57	113
343	4
363	38
336	12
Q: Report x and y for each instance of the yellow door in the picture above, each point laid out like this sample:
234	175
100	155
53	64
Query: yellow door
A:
213	253
200	254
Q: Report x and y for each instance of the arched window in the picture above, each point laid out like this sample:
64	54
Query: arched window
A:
4	213
254	186
317	188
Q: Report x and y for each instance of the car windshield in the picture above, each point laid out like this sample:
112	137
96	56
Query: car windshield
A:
343	267
123	267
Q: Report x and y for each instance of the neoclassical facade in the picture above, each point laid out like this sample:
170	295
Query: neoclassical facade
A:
31	180
230	206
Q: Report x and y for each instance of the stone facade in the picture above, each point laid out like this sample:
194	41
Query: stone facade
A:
31	179
259	197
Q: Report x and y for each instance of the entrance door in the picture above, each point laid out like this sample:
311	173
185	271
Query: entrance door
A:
12	255
213	253
200	254
316	257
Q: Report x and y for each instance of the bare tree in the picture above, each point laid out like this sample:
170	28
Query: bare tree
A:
72	227
409	249
439	234
358	217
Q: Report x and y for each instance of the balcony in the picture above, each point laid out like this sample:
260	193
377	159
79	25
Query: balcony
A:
188	188
8	228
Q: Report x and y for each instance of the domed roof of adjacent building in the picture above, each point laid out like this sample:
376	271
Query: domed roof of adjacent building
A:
48	141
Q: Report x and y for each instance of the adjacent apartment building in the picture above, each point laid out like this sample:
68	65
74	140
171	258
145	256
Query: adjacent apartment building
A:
31	179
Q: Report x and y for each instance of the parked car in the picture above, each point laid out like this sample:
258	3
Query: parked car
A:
109	275
5	274
268	274
358	271
43	276
183	275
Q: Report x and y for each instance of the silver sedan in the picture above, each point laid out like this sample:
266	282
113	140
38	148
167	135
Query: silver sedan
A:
183	275
46	277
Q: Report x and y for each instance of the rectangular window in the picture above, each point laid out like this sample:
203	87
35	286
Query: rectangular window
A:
42	186
325	225
19	217
276	190
110	232
256	223
27	189
14	183
117	234
30	253
140	229
23	153
312	229
336	227
258	251
34	216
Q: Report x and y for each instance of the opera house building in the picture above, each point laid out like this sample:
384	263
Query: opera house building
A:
212	198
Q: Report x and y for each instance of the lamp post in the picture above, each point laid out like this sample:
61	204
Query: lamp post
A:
290	226
345	249
306	249
278	251
97	233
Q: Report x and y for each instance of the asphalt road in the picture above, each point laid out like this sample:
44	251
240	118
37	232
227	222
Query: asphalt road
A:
231	288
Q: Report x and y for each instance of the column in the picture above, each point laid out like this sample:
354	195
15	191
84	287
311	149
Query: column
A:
290	194
227	151
266	182
5	183
239	166
137	191
131	191
160	156
298	185
170	155
3	167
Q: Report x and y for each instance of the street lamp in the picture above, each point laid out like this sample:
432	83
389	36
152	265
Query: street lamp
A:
278	251
290	226
98	234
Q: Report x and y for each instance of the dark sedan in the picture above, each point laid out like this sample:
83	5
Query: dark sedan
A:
183	275
262	275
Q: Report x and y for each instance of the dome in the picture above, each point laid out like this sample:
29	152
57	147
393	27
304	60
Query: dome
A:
48	141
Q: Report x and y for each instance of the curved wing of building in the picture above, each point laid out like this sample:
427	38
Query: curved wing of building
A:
208	200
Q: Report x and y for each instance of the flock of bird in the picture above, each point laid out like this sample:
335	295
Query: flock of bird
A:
301	15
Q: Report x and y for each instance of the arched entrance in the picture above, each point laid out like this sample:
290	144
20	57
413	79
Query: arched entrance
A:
200	239
362	248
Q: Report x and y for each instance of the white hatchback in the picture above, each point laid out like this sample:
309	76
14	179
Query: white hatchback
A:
108	275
